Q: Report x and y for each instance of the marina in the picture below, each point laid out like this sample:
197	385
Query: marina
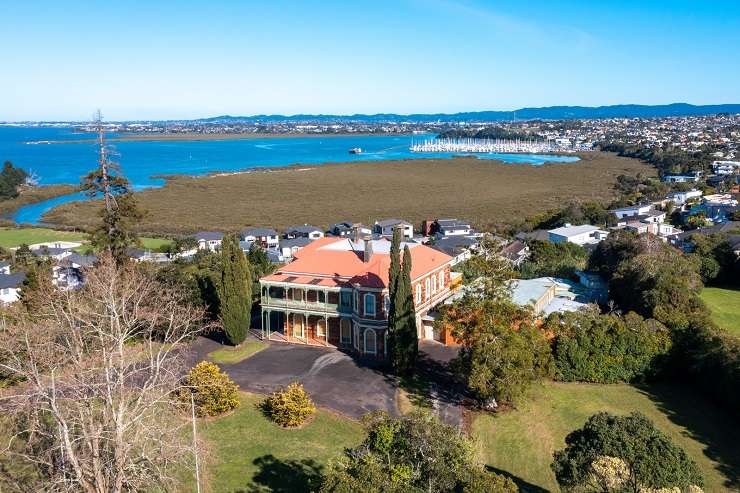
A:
487	146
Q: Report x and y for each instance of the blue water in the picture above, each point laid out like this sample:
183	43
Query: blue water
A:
141	161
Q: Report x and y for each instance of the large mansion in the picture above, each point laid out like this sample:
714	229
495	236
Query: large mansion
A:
335	293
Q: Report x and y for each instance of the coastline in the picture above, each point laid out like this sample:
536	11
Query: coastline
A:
194	136
32	196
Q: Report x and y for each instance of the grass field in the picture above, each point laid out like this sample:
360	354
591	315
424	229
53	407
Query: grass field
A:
13	237
483	191
154	243
521	442
231	355
725	307
248	452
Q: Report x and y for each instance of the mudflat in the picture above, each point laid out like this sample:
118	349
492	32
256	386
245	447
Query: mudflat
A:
488	193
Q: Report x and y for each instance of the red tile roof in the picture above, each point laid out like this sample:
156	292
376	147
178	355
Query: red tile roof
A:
337	266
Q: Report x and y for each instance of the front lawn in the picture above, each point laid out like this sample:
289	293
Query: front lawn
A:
154	243
14	237
248	452
725	307
521	442
230	355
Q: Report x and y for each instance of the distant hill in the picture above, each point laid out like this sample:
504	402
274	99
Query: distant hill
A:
545	113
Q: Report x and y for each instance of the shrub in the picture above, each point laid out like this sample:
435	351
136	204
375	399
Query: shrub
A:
290	406
213	391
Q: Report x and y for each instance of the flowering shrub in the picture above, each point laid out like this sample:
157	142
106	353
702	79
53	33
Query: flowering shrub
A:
290	406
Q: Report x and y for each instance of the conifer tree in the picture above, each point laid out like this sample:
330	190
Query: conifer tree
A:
235	291
395	268
409	338
402	338
394	273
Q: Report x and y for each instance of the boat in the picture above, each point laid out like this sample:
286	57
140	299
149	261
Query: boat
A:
355	150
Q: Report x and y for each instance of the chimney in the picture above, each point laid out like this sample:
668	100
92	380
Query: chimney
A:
368	251
356	232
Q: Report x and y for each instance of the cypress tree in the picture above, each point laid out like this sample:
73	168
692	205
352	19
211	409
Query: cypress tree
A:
235	291
409	336
395	268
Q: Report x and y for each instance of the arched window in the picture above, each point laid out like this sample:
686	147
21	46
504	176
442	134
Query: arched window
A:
434	284
418	294
426	286
370	341
369	304
320	328
386	304
356	301
442	280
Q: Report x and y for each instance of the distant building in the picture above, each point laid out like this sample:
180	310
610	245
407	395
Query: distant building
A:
460	248
680	198
209	240
385	227
266	238
10	286
289	247
693	177
545	295
345	229
633	210
584	234
305	231
726	167
515	252
447	227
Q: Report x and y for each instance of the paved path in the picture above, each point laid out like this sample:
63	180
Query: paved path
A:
333	378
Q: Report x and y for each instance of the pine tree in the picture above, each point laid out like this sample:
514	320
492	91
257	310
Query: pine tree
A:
235	291
120	212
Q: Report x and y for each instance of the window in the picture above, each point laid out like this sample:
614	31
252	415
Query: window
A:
356	301
426	289
344	329
370	341
320	328
434	284
369	304
346	297
442	280
386	304
418	293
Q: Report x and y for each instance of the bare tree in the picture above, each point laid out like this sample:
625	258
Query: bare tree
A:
99	369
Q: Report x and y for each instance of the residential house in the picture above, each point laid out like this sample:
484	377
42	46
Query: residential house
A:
10	286
545	295
460	248
348	229
4	267
264	237
305	231
726	167
53	252
693	177
584	234
447	227
680	198
683	240
633	210
209	240
335	293
289	247
386	227
515	252
536	235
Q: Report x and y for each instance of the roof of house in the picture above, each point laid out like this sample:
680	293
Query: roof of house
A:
4	264
83	260
259	232
295	242
631	207
305	229
392	222
537	234
513	250
12	280
49	251
568	231
453	245
332	261
208	235
452	223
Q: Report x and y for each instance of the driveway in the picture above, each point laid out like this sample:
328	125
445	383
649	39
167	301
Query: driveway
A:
334	379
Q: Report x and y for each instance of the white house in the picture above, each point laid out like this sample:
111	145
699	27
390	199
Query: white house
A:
209	240
267	238
10	286
4	267
452	227
680	198
584	234
726	167
385	228
305	231
633	210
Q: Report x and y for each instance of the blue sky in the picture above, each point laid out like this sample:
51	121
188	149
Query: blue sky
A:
157	59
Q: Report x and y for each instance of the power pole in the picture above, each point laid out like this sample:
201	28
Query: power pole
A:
195	445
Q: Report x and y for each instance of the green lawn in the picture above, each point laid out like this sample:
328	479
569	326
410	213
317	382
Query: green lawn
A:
521	442
725	307
230	355
248	452
13	237
154	243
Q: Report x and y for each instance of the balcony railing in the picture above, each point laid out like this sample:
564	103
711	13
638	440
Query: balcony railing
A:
269	301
